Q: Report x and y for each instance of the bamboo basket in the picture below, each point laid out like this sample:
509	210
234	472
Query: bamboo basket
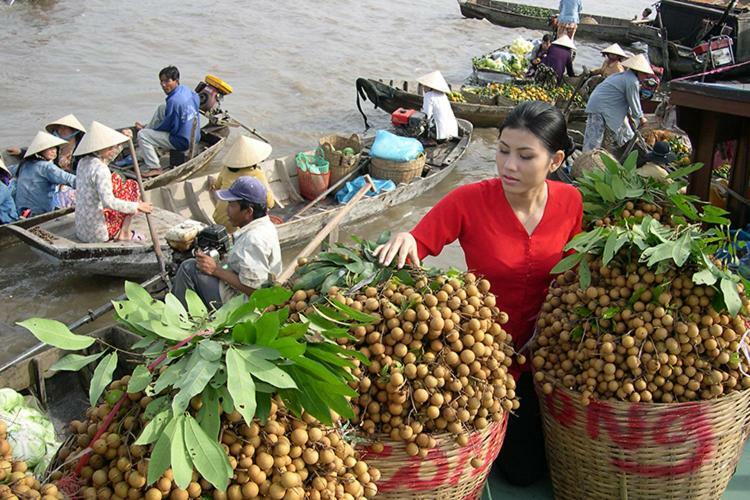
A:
620	450
339	163
588	161
445	474
398	172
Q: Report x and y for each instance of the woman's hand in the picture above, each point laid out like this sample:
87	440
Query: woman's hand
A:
402	244
145	208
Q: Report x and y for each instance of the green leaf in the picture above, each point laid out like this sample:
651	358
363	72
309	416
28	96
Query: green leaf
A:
731	296
267	328
161	453
206	454
584	273
139	380
182	466
293	330
636	295
168	332
209	350
658	253
193	383
196	307
155	407
352	313
136	293
56	334
154	428
609	248
208	415
704	277
683	204
582	312
265	370
631	162
612	166
610	312
102	377
605	192
174	313
264	407
685	171
314	278
618	188
734	358
681	250
244	333
576	333
74	362
567	263
316	352
288	347
274	296
170	376
240	384
227	403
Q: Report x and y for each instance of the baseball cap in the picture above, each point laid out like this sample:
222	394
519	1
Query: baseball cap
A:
244	188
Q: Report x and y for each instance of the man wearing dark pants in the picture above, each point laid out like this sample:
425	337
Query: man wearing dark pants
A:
255	257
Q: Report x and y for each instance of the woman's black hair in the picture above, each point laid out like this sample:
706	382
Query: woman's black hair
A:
543	120
258	209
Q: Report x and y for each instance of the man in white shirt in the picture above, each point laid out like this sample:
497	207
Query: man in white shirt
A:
255	257
437	107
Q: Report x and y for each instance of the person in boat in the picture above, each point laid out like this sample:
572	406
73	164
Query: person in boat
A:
646	17
568	18
537	53
611	102
513	230
8	212
559	57
437	107
242	159
70	130
104	208
659	157
255	257
612	64
172	123
37	176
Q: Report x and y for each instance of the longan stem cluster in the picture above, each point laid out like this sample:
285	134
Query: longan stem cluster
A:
15	480
285	458
439	361
637	336
639	209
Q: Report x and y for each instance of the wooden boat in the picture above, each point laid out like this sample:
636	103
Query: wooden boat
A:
402	94
193	198
63	394
212	140
55	239
515	15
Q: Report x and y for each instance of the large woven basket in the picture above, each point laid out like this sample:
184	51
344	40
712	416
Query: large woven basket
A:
445	474
618	450
588	161
398	172
339	163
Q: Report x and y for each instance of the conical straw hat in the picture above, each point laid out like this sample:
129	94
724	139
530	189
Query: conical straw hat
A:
564	41
615	49
68	121
638	63
246	152
99	137
42	141
435	81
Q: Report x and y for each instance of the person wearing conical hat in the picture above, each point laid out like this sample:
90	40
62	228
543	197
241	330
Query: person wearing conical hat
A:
437	107
559	57
105	203
569	17
610	104
242	159
612	64
8	212
69	129
37	176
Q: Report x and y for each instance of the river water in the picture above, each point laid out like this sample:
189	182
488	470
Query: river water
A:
292	65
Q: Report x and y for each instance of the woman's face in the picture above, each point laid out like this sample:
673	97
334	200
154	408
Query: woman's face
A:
49	154
107	155
523	161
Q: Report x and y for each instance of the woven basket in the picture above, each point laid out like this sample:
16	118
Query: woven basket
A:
588	161
398	172
446	473
339	163
618	450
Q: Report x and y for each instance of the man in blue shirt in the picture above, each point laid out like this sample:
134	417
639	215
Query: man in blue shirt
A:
172	122
569	17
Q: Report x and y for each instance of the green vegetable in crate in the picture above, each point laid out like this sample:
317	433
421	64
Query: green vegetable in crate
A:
245	361
348	151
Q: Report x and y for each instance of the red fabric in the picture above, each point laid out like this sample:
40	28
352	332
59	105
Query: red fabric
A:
497	246
124	189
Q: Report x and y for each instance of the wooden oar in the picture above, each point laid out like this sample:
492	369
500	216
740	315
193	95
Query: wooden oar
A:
332	224
90	316
326	192
151	229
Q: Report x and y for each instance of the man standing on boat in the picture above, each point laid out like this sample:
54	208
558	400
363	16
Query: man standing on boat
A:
437	107
255	257
569	17
172	122
610	103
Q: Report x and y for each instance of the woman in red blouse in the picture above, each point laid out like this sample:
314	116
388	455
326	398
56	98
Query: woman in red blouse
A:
512	229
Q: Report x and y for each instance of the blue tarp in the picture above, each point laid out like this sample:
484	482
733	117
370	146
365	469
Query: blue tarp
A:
347	192
388	146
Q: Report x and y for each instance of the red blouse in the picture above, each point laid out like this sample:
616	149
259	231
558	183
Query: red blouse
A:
497	246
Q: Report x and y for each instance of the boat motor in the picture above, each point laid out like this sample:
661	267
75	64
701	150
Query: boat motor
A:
409	122
214	241
716	52
211	91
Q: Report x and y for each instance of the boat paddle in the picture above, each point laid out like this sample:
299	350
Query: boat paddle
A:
151	229
332	224
91	315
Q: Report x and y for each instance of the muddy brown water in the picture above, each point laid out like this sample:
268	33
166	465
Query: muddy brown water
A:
292	66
